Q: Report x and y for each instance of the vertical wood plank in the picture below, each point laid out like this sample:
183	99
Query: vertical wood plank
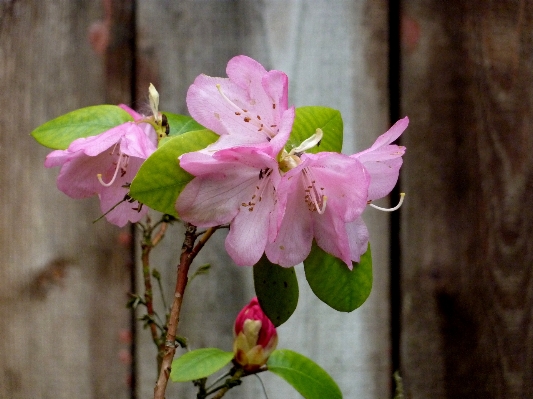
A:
335	54
467	277
62	280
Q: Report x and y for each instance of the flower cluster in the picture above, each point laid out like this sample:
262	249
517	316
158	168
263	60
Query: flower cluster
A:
105	164
277	202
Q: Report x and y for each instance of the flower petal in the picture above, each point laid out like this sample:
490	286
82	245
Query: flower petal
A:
295	236
383	161
342	179
249	230
112	195
358	239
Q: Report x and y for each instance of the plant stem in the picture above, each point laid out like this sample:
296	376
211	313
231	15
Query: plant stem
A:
229	384
188	253
147	244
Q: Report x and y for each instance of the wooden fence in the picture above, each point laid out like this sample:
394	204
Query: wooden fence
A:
452	302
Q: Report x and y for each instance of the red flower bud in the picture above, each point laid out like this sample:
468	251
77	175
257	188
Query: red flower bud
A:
255	337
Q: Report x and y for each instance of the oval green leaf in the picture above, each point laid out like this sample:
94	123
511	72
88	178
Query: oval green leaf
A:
336	285
160	178
307	377
276	288
180	124
308	119
198	364
90	121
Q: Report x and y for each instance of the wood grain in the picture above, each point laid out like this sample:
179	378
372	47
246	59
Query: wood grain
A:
335	54
467	277
63	280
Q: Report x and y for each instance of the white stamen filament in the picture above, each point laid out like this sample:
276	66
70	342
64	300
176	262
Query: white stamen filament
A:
402	195
321	209
120	164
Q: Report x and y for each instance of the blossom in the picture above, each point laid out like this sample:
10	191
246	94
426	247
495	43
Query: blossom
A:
238	186
319	197
247	108
383	161
255	337
104	165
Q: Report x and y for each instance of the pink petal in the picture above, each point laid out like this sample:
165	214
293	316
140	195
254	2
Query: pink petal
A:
110	196
389	136
383	161
249	230
136	143
135	115
249	104
243	70
78	176
331	236
342	179
215	198
276	85
383	177
358	239
295	237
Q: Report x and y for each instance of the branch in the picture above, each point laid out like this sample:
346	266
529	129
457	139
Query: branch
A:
188	253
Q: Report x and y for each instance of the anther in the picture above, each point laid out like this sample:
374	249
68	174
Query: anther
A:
402	195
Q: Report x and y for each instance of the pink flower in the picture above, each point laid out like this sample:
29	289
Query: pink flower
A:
238	186
383	161
319	199
255	337
245	109
105	164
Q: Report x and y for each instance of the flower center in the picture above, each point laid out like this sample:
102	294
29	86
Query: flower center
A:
257	196
268	130
314	197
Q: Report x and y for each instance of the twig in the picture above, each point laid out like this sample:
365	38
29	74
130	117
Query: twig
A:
188	253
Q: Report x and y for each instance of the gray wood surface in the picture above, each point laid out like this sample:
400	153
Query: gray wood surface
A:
335	54
62	279
467	224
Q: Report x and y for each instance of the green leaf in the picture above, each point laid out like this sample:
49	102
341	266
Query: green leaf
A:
90	121
198	364
276	288
160	178
307	377
180	124
308	119
336	285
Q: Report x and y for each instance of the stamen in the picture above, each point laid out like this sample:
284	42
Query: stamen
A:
315	201
402	195
117	168
229	101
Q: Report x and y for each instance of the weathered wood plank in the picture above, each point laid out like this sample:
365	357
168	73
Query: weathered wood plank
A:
63	280
335	54
467	277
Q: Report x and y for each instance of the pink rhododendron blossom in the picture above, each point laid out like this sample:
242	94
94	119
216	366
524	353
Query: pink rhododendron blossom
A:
383	161
237	186
317	198
255	337
247	108
105	164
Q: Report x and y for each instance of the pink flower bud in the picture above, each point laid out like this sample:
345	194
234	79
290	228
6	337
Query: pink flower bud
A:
255	337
